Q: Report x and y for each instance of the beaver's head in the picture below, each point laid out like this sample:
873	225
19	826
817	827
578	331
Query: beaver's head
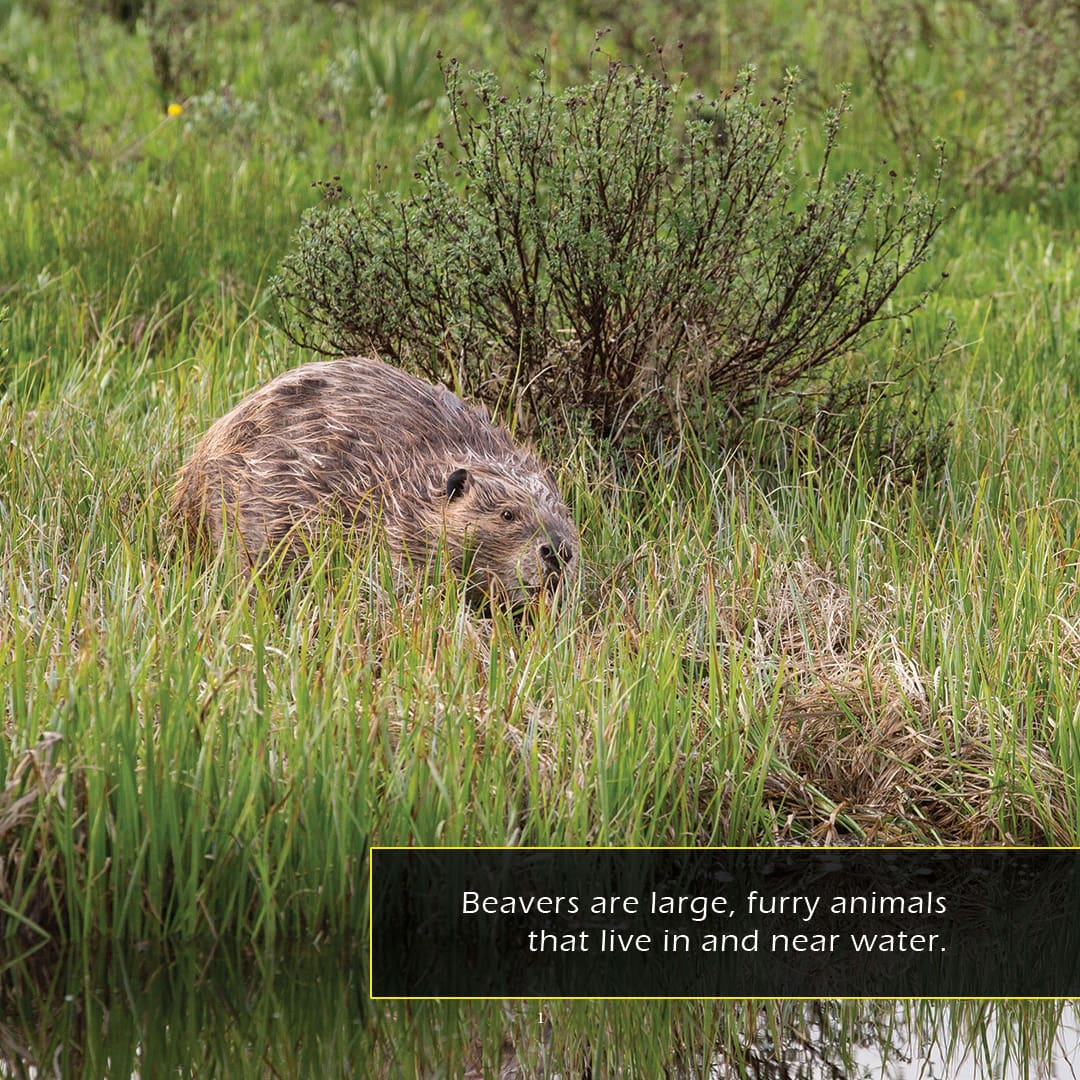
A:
511	535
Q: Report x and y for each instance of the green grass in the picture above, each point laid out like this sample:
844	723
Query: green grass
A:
764	648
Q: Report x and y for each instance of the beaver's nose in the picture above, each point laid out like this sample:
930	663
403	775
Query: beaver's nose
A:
556	554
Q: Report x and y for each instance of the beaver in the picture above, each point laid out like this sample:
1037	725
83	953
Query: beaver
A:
364	444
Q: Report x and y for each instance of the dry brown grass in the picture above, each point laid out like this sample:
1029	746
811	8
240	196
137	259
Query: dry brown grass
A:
36	781
862	753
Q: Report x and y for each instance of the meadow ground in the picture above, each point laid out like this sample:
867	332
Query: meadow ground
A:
771	644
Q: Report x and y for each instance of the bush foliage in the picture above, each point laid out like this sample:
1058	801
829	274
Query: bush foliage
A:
614	251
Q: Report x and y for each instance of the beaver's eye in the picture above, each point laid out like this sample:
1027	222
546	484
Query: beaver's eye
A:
508	515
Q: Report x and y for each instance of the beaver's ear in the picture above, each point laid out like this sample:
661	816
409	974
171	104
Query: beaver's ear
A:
457	483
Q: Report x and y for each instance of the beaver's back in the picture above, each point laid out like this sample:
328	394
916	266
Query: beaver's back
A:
338	438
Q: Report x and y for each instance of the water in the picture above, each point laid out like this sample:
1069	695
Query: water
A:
939	1041
915	1059
301	1012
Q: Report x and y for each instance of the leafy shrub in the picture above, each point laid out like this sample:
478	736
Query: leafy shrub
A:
614	252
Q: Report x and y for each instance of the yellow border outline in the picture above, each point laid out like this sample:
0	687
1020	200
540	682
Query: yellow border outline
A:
372	848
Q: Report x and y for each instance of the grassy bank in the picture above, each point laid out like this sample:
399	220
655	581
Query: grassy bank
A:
767	646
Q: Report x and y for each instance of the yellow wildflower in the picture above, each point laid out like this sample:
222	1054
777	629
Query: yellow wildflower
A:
175	108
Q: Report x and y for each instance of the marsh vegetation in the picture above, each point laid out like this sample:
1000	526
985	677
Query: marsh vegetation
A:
840	607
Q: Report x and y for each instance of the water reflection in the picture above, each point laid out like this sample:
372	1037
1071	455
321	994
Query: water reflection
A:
303	1011
221	1013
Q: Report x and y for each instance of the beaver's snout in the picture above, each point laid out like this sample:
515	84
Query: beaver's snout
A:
556	554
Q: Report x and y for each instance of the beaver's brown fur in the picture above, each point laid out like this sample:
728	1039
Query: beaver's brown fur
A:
359	442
